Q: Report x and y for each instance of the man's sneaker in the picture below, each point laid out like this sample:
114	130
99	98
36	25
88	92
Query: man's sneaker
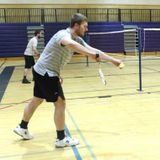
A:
25	81
66	142
23	133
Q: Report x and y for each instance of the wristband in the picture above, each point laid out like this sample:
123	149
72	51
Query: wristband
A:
97	55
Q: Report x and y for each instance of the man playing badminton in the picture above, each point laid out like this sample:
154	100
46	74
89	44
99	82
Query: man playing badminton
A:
46	72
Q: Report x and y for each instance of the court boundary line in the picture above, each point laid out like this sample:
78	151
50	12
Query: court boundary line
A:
100	96
116	95
74	148
4	79
13	104
82	136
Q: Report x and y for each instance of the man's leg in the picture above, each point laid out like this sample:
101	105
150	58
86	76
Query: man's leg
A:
25	80
22	128
59	119
31	107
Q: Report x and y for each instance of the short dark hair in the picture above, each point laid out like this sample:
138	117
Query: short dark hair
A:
77	18
37	32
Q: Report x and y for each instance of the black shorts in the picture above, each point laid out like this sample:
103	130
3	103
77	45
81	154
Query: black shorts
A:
29	61
48	88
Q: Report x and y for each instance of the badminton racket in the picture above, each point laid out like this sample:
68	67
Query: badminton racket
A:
101	75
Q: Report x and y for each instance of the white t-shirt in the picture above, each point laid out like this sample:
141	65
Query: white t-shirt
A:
33	42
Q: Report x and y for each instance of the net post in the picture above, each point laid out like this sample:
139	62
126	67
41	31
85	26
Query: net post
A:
140	58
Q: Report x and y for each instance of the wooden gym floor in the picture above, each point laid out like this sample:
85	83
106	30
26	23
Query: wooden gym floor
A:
113	122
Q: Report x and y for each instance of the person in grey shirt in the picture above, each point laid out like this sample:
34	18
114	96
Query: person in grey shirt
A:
46	72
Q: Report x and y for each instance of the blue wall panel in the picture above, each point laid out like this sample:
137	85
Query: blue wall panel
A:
13	37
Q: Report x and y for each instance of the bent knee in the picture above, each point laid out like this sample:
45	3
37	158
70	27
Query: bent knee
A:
60	102
37	100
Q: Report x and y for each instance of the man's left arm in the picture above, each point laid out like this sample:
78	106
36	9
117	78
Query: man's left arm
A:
102	55
34	47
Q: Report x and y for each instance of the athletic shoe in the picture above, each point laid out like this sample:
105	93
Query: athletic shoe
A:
66	142
25	81
23	133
